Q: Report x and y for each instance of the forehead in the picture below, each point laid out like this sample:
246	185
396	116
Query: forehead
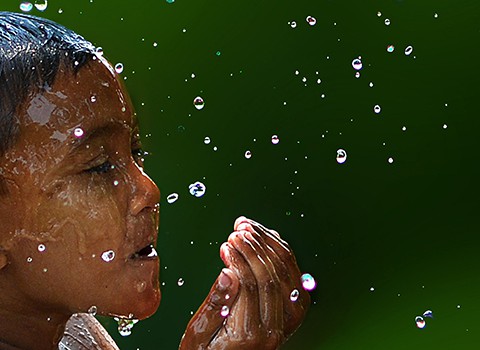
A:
92	98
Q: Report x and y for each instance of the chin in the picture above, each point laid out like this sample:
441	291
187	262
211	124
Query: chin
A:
147	307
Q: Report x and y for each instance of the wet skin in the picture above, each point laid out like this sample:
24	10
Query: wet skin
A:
83	193
63	193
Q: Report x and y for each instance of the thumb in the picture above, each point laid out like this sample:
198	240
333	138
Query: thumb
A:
213	312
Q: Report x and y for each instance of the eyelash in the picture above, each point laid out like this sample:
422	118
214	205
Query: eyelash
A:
138	154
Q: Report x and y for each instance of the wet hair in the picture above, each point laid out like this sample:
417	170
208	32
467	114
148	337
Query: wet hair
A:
31	51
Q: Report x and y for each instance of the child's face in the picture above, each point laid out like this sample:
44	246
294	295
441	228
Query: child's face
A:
79	204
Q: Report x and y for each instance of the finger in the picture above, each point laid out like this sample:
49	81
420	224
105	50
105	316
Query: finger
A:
209	318
245	314
287	269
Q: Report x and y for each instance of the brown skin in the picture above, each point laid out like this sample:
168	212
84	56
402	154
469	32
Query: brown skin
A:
64	196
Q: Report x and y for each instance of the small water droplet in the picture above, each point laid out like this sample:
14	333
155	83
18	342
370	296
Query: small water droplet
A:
379	14
225	311
99	51
125	326
197	189
390	48
372	289
445	126
29	259
206	140
180	282
275	139
308	282
370	84
93	98
92	310
404	128
311	20
45	269
341	156
172	198
357	75
248	154
78	132
408	50
41	247
420	322
198	102
435	15
41	5
387	22
357	64
170	1
377	109
119	68
390	160
293	24
26	6
218	53
115	182
294	295
428	313
108	255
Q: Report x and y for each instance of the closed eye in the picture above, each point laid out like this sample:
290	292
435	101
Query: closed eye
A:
100	169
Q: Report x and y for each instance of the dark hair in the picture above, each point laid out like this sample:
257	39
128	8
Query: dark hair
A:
31	52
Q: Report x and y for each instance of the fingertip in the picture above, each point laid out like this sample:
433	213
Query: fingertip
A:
238	221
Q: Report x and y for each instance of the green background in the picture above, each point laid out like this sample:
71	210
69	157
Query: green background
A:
408	229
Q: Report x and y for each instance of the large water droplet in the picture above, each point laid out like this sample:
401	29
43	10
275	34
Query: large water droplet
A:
41	5
420	322
248	154
99	51
390	160
294	295
108	255
119	68
408	50
26	6
29	259
197	189
172	198
93	98
225	311
311	20
357	64
341	156
206	140
387	22
125	326
198	102
308	282
41	247
377	109
293	24
275	139
180	282
390	48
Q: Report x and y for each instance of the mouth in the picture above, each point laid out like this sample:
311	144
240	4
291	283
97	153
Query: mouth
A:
146	253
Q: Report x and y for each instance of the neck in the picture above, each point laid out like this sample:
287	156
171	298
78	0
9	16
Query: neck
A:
27	327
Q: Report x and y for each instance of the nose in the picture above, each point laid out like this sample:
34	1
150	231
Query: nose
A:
146	194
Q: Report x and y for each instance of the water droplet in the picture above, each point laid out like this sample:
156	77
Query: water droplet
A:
377	109
45	269
78	132
206	140
115	182
311	20
357	64
420	322
248	154
99	51
60	11
29	259
41	247
293	24
225	311
428	313
308	282
108	255
390	160
275	139
172	198
218	53
435	15
387	22
92	310
341	156
294	295
288	213
357	75
370	84
404	128
379	14
408	50
319	81
93	98
170	1
372	289
197	189
119	68
41	5
125	326
180	282
198	102
26	6
390	48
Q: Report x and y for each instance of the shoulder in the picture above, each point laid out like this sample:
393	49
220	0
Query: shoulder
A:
84	332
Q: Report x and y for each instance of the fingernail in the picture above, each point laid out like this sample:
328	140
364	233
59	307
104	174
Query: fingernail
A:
245	226
224	281
239	220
